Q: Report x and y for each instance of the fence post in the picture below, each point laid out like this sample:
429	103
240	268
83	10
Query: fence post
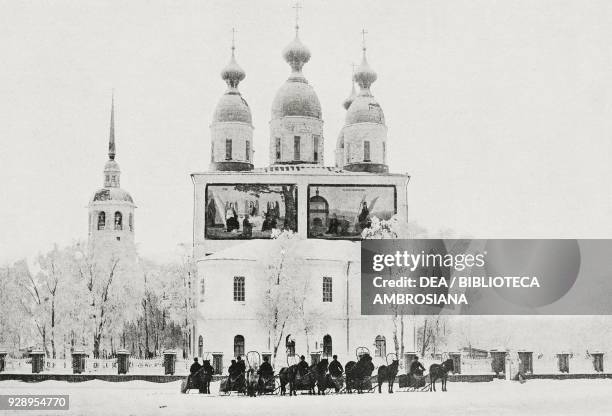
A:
169	362
498	362
38	361
526	362
3	354
78	361
456	357
563	362
598	361
123	361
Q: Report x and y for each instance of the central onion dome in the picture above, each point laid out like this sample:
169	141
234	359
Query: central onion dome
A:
364	107
231	106
296	97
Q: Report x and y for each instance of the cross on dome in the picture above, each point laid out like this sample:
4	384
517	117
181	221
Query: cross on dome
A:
297	8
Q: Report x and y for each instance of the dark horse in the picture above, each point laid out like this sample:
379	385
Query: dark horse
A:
387	373
290	375
358	374
440	371
321	376
199	380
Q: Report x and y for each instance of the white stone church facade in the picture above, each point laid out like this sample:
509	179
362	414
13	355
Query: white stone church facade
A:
236	207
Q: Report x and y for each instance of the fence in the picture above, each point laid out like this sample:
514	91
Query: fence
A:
542	364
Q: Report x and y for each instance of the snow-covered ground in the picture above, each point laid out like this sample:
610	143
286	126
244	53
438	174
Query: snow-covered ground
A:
535	397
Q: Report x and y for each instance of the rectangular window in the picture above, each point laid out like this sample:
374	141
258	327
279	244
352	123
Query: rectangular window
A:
239	294
212	152
327	289
277	147
296	147
202	288
228	149
315	145
366	151
248	150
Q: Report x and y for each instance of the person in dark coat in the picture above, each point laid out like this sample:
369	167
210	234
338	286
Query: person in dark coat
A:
302	366
233	369
240	365
247	227
207	368
416	368
266	372
195	367
335	368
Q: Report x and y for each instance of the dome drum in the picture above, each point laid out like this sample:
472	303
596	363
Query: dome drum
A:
231	165
369	167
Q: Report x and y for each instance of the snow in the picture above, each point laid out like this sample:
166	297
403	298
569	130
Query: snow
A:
535	397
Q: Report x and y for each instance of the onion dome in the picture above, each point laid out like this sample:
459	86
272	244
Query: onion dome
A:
296	54
231	106
365	75
296	97
364	107
232	74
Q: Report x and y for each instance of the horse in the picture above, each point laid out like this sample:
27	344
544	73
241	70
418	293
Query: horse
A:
358	374
388	374
319	371
298	381
199	380
283	378
440	371
252	382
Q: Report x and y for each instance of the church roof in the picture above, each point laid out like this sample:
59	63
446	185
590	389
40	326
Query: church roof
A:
311	249
112	194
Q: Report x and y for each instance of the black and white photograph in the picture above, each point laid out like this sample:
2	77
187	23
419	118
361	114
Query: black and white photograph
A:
304	207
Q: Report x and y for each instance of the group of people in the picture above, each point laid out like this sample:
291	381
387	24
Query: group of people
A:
265	372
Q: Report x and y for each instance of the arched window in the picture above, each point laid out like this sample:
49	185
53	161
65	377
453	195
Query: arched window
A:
366	151
101	220
327	345
200	346
290	345
381	346
131	221
238	345
248	151
118	221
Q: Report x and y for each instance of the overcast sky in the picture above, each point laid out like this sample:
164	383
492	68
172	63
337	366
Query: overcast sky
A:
499	110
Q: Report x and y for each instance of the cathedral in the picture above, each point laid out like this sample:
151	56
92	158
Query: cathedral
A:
240	208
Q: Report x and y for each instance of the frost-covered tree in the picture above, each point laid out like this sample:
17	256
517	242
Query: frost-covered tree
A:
109	280
284	288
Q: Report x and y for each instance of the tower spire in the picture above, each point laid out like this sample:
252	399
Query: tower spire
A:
233	40
297	8
111	138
